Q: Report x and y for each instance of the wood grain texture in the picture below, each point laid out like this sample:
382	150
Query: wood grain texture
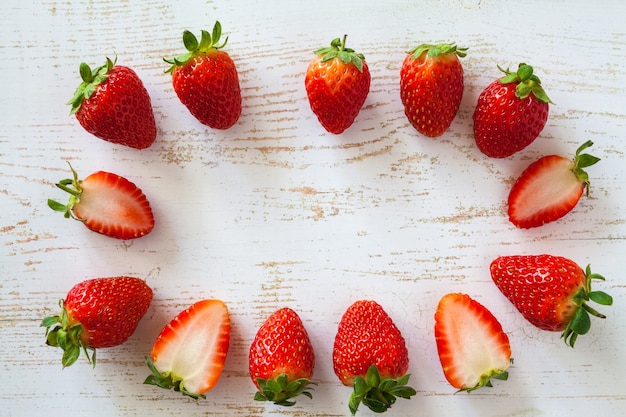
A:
276	212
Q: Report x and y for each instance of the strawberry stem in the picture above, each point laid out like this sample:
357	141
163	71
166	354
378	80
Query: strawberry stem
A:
208	42
337	49
167	381
74	188
526	81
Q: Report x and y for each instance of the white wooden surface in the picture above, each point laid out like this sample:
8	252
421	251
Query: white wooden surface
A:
276	212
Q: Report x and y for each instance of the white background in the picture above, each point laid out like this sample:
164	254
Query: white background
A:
276	212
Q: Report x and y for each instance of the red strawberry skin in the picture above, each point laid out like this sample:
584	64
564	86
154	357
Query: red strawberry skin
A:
208	85
431	87
281	348
108	204
119	110
367	336
504	122
107	311
337	89
540	287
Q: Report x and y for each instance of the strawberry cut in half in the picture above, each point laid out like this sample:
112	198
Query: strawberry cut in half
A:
551	292
189	354
108	204
281	359
471	344
97	313
549	188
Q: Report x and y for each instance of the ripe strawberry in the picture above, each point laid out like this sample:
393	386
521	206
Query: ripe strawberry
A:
205	80
97	313
112	104
510	114
188	355
471	344
550	292
549	188
431	87
370	355
337	82
108	204
281	359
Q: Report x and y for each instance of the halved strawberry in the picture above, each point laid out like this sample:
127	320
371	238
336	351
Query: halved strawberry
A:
107	204
188	355
549	188
471	344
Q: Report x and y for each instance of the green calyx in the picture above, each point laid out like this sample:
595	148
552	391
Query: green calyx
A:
91	79
208	42
167	381
281	390
60	333
583	160
337	49
376	393
74	188
581	322
526	81
485	380
438	49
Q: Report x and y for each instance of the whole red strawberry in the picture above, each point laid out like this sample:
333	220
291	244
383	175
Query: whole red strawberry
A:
431	87
549	188
551	292
370	355
206	81
337	83
281	359
106	203
97	313
112	104
510	113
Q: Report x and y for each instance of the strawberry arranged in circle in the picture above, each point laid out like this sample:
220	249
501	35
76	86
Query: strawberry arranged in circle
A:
188	355
108	204
510	113
281	359
337	83
551	292
549	188
370	355
431	87
112	104
206	81
471	344
97	313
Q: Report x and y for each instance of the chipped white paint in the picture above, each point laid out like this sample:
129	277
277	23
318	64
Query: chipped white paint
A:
275	212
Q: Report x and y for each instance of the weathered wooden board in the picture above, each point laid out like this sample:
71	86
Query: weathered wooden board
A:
276	212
